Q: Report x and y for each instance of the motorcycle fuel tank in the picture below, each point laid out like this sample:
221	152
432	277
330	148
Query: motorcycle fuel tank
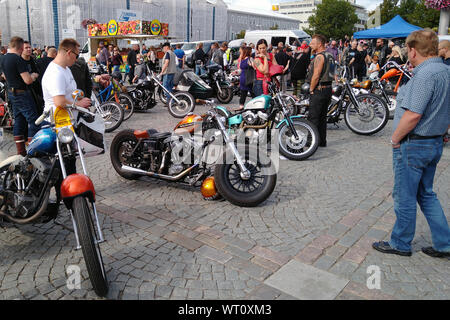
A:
189	124
258	103
44	141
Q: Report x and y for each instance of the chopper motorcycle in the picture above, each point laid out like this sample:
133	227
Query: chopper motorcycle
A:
364	114
213	84
26	184
298	138
144	96
246	178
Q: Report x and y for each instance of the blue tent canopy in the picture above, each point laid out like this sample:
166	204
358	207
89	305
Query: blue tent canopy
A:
396	28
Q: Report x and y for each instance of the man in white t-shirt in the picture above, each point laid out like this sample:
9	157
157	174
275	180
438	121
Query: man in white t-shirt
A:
58	82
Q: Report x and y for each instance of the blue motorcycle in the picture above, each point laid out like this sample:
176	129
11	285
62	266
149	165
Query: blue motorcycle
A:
297	137
26	184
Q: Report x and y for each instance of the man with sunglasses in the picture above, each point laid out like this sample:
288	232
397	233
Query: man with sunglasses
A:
58	82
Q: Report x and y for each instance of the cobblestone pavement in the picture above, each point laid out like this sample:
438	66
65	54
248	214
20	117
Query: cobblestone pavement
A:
163	241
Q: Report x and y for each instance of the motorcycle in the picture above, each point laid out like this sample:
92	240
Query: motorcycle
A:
144	96
204	87
6	114
246	180
26	184
364	113
298	138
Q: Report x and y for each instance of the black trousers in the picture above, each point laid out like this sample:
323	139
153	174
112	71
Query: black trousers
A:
244	94
318	107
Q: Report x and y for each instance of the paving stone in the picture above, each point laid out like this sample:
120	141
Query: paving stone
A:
213	254
183	241
238	253
241	244
270	255
306	282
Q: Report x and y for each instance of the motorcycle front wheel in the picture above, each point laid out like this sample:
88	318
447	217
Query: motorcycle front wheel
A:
246	192
226	96
303	147
112	113
89	245
372	116
186	105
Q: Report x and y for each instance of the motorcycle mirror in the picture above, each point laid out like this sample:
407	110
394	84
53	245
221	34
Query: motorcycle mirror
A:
77	94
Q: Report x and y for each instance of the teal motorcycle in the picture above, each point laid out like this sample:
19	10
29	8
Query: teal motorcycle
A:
298	138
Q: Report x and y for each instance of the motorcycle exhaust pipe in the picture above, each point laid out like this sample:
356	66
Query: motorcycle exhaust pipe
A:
156	175
30	219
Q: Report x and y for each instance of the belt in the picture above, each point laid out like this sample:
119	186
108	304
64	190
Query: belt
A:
418	137
15	91
323	86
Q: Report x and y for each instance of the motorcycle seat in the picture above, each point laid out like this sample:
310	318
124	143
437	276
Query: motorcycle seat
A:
151	134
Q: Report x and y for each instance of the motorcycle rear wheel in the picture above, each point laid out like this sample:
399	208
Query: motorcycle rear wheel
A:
363	122
124	141
89	246
186	105
260	186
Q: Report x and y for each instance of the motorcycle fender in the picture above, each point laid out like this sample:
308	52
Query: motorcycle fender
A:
292	118
224	84
77	185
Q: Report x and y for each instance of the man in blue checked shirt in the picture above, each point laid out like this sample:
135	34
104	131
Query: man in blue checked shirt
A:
421	119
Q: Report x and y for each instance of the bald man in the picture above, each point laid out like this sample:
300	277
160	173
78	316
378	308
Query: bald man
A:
444	51
43	63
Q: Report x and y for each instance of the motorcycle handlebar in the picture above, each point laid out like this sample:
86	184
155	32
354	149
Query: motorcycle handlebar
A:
41	118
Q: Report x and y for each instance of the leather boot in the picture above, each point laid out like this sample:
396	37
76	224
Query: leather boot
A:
20	145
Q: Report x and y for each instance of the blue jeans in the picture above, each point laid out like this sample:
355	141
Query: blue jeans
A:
199	70
414	166
168	84
25	114
258	88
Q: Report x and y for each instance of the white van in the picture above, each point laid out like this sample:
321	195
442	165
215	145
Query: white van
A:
292	38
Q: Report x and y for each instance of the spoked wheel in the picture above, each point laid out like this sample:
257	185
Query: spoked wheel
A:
392	103
185	105
112	113
371	117
246	191
226	96
162	95
89	246
127	103
291	107
121	153
300	148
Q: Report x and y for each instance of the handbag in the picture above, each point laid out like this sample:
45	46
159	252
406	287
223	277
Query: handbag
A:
250	76
275	69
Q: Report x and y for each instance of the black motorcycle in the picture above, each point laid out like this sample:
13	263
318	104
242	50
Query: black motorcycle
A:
144	96
364	114
216	78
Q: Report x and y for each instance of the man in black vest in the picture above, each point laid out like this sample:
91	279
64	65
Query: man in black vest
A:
320	80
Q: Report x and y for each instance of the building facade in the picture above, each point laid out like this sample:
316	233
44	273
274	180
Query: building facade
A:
46	22
303	9
242	19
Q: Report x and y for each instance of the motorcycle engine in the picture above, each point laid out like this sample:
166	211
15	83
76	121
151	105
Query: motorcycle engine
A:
251	118
23	184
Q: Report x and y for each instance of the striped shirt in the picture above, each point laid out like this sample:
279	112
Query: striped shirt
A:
428	94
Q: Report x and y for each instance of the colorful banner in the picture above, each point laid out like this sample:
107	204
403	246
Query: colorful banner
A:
135	27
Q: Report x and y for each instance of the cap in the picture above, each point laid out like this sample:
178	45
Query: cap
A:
167	44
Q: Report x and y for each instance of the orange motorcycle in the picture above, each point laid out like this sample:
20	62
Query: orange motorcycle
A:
241	173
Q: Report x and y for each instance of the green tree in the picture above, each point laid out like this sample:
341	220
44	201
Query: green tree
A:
240	35
423	17
333	19
388	10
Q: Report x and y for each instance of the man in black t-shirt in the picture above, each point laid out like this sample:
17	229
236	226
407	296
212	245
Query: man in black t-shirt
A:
18	78
132	60
282	59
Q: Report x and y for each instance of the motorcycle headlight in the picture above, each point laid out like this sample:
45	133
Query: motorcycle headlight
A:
65	135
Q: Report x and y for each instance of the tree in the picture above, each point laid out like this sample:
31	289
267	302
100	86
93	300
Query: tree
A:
333	19
423	16
240	35
388	10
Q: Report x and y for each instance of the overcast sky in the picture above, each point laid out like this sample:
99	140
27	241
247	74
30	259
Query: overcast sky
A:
267	4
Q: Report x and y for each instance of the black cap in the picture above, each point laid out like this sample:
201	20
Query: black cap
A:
167	44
